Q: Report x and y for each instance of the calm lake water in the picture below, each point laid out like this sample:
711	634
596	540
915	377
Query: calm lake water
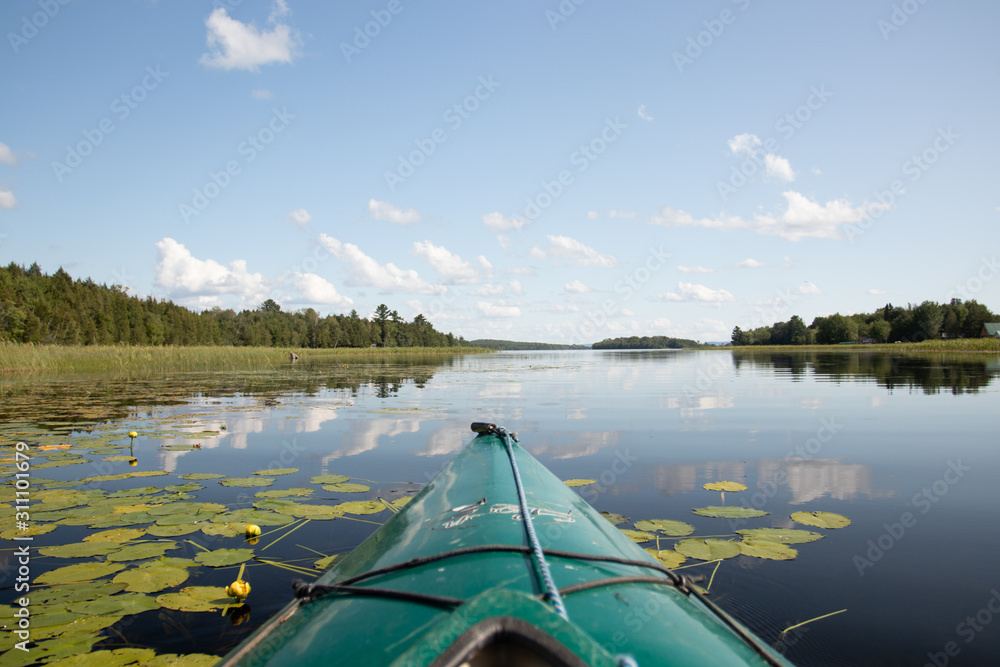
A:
905	446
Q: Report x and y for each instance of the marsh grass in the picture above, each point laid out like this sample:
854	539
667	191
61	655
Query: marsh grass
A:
26	358
946	345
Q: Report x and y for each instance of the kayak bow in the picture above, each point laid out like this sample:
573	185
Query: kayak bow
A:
497	562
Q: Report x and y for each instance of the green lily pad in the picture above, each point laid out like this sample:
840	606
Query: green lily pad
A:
123	603
821	519
346	487
115	458
360	507
116	658
639	536
173	531
329	479
181	488
782	535
223	557
579	482
80	549
152	578
75	593
259	517
141	551
317	511
615	519
325	563
195	598
275	471
247	481
54	617
224	529
202	475
725	486
284	493
116	535
760	548
188	660
79	572
667	557
729	512
707	549
400	502
31	531
666	526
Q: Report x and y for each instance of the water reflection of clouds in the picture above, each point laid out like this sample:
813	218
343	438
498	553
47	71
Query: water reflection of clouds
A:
584	444
448	439
692	406
807	479
363	435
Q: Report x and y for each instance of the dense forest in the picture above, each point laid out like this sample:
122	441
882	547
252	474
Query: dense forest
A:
494	344
55	309
914	323
645	343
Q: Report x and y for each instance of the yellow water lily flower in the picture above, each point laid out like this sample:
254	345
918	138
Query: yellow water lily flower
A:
239	589
253	531
133	434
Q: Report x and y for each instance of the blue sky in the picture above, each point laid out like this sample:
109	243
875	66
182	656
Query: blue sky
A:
542	171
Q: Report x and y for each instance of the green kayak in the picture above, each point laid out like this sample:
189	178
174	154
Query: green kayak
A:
458	578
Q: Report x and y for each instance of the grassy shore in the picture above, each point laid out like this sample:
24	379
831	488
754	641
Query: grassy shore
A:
950	345
27	358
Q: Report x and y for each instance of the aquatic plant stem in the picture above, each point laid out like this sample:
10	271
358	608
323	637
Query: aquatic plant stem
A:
799	625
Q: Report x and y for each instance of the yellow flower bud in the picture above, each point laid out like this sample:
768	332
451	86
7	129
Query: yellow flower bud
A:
253	531
239	589
133	434
133	462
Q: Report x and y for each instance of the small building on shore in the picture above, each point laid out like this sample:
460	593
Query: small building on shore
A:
990	330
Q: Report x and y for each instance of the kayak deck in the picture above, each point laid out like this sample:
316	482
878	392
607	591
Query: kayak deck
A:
452	573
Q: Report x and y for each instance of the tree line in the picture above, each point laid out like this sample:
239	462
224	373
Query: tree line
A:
914	323
645	343
55	309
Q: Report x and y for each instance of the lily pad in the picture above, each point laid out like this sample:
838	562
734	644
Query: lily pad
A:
224	529
80	549
329	479
316	511
79	572
615	519
821	519
259	517
247	481
195	598
707	549
75	593
31	531
666	526
124	603
187	660
360	507
579	482
325	563
141	551
782	535
639	536
181	488
284	493
116	535
153	578
761	548
202	475
346	487
223	557
729	512
275	471
667	557
173	531
116	658
725	486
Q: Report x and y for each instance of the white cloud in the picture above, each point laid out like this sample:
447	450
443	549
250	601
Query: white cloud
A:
661	323
485	263
802	218
7	155
497	223
778	166
808	288
694	269
383	210
182	274
750	263
497	310
694	292
537	253
627	313
564	246
236	45
515	287
522	271
447	264
577	287
261	94
300	217
7	199
593	215
744	143
627	215
643	115
817	171
489	289
280	9
316	289
366	271
876	292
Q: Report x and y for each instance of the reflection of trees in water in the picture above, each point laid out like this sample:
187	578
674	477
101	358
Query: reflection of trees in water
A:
930	373
115	397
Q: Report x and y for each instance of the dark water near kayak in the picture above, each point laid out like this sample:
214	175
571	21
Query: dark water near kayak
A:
905	446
